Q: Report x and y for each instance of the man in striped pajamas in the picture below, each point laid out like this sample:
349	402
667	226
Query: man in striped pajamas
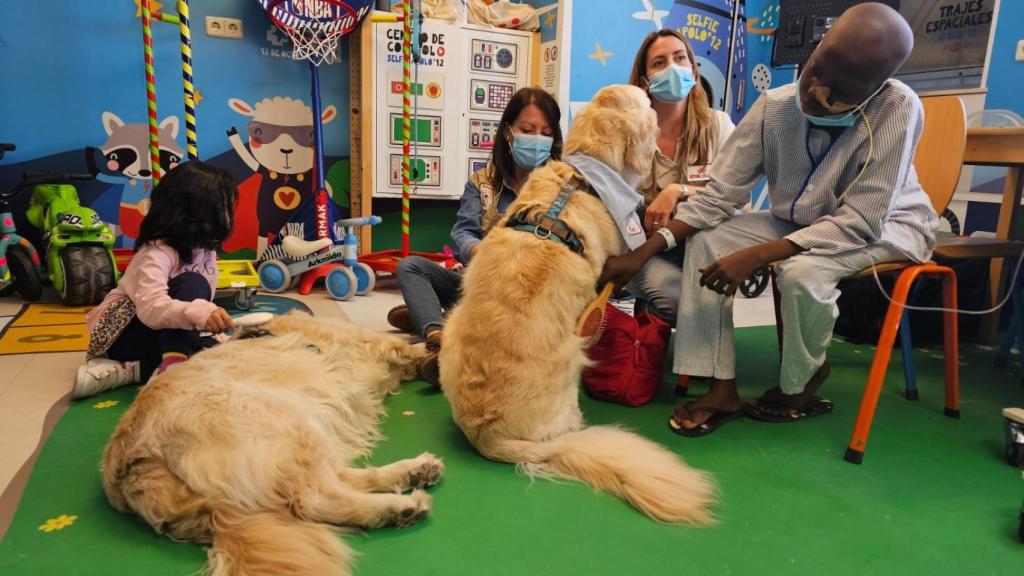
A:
836	149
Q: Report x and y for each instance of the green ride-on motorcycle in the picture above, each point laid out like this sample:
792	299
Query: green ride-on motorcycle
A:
78	244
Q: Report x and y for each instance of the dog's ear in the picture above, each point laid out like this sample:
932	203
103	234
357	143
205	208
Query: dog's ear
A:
600	132
642	127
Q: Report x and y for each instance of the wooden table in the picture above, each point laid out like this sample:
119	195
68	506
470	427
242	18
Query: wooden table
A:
999	147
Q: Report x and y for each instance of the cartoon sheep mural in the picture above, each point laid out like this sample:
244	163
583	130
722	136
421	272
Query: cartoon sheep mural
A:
124	162
281	155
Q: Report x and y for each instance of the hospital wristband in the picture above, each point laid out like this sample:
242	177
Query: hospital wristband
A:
669	238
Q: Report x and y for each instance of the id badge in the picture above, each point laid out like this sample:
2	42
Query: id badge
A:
695	174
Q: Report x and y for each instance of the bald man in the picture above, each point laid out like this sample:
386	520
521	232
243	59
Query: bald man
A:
836	148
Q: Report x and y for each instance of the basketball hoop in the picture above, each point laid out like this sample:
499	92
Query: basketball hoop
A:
315	26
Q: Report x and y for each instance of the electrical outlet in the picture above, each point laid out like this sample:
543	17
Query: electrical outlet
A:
1020	51
218	27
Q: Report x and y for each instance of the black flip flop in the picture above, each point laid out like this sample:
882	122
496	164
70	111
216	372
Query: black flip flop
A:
777	412
717	419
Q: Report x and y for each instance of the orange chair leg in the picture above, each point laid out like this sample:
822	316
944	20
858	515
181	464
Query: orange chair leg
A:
880	363
951	342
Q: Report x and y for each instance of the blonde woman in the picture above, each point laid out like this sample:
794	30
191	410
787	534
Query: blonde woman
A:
691	135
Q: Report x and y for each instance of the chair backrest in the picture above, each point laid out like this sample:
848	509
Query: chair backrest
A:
940	152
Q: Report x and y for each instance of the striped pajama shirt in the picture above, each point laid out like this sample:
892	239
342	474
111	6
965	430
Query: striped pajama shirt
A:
884	216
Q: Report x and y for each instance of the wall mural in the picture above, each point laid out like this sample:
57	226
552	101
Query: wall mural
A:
279	152
123	161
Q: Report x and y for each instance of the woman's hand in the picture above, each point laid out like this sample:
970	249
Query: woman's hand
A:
619	270
660	212
218	321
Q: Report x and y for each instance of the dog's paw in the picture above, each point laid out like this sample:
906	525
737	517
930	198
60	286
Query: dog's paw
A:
416	512
427	472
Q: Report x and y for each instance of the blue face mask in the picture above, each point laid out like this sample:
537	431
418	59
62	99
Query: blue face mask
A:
531	150
843	120
672	84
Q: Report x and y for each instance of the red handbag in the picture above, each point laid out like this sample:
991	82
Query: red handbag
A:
629	356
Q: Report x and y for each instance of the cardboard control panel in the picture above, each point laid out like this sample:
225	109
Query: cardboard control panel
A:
494	57
423	170
490	95
424	130
482	133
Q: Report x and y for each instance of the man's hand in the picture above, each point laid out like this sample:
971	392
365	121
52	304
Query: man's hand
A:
619	270
660	212
726	274
218	321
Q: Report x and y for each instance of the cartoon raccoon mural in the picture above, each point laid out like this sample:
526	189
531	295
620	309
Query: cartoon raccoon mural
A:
124	162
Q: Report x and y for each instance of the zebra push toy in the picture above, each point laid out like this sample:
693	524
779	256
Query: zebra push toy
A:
294	259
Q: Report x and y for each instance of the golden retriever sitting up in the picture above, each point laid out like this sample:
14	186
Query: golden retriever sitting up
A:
511	361
248	447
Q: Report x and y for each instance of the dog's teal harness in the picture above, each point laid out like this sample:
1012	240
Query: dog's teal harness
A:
549	226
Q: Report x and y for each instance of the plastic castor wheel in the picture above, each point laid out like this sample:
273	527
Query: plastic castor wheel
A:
245	298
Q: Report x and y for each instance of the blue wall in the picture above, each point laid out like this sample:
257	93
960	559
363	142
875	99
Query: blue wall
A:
1005	76
67	62
59	78
1005	89
619	27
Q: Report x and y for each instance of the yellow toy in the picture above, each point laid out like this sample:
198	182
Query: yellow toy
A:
240	276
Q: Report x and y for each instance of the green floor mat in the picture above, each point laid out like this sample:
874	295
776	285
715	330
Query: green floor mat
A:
932	497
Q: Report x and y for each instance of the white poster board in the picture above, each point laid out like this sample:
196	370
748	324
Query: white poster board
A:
466	78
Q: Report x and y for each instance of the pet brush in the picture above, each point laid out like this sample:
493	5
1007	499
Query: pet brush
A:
254	319
592	322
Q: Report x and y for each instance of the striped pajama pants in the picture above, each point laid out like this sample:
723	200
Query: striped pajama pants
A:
807	286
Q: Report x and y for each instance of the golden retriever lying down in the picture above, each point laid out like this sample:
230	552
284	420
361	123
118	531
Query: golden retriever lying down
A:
248	446
511	361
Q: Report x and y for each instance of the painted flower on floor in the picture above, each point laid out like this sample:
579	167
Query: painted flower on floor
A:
105	404
59	523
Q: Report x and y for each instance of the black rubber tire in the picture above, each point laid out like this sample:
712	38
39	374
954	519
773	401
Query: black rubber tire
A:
755	284
26	276
88	275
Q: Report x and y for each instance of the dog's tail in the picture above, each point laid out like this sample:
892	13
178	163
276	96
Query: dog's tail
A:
271	544
649	477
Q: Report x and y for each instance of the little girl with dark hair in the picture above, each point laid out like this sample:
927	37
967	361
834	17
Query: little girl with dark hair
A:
162	307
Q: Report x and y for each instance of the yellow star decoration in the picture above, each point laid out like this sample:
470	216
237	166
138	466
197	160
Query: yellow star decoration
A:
59	523
197	96
105	404
408	413
154	7
549	20
600	54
